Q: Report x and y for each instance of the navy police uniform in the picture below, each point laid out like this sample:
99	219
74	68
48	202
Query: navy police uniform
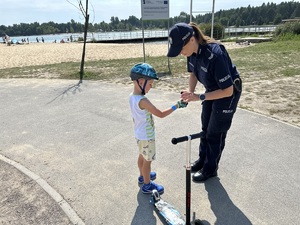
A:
213	68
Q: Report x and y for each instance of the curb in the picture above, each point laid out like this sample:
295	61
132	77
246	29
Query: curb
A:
74	218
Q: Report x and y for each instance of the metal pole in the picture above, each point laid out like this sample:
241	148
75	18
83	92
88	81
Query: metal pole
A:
191	10
143	32
169	46
169	67
188	181
212	20
143	41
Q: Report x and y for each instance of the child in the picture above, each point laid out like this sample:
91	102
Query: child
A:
143	76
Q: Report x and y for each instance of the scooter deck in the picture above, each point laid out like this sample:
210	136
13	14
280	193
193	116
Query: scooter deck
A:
170	214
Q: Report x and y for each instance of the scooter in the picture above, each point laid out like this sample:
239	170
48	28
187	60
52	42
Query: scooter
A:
168	212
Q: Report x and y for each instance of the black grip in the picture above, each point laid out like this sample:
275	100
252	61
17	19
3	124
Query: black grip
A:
185	138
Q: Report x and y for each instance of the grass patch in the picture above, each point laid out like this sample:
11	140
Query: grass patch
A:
269	59
95	70
262	61
290	72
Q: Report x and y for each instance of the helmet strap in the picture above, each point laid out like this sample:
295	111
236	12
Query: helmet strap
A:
142	88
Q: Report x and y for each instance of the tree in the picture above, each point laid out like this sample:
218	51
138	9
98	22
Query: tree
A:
277	19
132	20
218	30
238	22
86	15
296	12
269	13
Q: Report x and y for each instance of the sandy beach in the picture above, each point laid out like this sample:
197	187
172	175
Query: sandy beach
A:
49	53
285	109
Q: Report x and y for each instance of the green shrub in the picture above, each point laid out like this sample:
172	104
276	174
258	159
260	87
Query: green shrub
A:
288	28
287	36
218	30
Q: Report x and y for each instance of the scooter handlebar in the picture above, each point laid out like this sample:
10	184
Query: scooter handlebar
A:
185	138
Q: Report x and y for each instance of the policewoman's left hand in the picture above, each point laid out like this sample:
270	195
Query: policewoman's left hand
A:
187	96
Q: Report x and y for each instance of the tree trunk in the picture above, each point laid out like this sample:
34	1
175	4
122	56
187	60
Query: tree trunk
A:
84	42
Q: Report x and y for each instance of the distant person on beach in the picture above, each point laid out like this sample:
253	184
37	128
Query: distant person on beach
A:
43	40
143	76
7	40
37	40
209	63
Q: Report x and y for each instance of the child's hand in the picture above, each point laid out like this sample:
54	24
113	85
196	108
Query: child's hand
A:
182	104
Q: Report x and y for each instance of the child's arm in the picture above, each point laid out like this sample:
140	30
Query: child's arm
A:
146	104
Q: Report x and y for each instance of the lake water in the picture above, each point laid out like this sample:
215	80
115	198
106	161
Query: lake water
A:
129	35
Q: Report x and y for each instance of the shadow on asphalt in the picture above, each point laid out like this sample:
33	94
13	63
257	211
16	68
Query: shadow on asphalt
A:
72	88
225	210
144	211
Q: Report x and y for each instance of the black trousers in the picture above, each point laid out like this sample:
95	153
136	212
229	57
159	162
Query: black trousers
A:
216	120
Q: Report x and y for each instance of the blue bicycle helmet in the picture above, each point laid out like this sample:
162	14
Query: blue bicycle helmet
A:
143	70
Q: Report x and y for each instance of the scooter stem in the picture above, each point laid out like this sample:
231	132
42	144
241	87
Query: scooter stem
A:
188	181
188	153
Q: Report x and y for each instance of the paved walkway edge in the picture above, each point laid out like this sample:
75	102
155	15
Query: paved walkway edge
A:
75	219
270	117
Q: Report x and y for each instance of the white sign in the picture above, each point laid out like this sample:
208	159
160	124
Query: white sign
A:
155	9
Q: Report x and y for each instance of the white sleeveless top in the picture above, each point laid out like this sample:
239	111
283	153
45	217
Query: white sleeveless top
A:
142	119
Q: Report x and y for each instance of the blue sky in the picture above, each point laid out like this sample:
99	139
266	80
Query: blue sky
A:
61	11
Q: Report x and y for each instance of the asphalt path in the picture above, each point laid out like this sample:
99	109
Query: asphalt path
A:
79	141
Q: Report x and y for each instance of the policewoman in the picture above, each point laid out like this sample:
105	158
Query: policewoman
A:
209	63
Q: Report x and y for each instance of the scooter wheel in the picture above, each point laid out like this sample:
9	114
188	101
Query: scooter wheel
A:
155	196
198	222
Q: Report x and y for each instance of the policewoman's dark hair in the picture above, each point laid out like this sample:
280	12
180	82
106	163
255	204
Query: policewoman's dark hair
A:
200	36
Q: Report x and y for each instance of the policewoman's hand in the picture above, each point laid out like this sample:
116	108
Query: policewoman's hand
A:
187	96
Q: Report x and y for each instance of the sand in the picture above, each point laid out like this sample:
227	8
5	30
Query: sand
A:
283	105
49	53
